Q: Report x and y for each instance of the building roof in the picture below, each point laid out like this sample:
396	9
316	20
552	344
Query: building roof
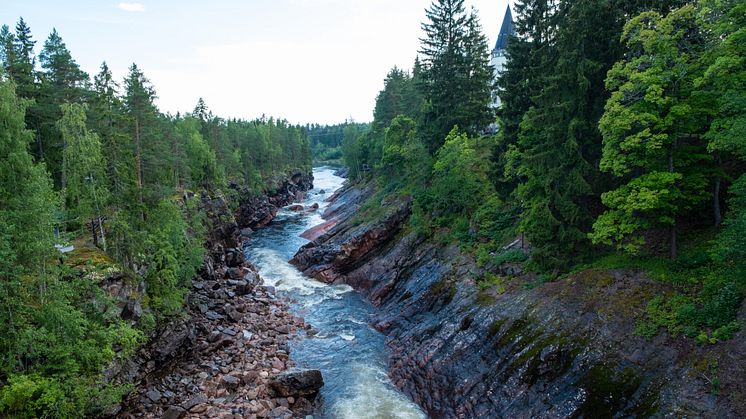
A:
506	31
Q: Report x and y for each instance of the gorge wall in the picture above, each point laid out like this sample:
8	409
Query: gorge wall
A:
520	349
227	355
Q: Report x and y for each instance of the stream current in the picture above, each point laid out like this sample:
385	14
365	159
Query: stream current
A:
349	353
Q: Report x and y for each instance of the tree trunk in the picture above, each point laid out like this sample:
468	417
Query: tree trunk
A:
101	230
40	145
94	234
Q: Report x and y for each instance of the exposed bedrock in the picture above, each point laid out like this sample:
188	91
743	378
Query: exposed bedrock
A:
257	211
561	349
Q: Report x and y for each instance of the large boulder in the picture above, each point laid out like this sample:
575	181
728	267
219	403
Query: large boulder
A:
297	382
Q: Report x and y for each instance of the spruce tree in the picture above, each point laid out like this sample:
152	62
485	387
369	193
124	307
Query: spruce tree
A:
518	84
61	81
456	73
107	118
559	145
22	67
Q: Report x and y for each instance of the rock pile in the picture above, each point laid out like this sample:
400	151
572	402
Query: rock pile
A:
239	356
228	357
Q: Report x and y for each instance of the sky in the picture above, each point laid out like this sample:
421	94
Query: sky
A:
308	61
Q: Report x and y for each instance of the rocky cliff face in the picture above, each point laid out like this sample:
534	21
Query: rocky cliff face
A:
257	211
520	349
228	355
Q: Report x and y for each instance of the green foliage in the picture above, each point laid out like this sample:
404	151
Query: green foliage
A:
118	160
730	247
350	149
725	74
492	281
459	181
85	191
456	75
173	251
203	169
337	144
676	313
650	129
404	160
28	201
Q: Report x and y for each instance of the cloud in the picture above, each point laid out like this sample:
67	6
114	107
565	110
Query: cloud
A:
131	7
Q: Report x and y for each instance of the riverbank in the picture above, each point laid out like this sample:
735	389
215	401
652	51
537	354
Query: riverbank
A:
516	347
228	355
350	354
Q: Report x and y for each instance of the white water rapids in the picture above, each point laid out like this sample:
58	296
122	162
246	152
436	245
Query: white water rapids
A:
349	353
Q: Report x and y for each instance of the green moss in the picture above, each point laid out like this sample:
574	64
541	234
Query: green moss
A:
495	327
517	330
610	392
443	287
485	298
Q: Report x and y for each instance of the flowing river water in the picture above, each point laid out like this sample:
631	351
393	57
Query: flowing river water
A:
349	353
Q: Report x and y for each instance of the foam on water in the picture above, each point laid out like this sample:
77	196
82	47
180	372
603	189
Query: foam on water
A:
373	398
349	353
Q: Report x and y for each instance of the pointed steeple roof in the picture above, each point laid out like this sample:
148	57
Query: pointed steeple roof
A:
506	31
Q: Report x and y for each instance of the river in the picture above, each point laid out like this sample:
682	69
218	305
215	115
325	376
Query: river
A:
349	353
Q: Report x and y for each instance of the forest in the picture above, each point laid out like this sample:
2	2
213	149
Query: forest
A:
326	140
619	144
95	164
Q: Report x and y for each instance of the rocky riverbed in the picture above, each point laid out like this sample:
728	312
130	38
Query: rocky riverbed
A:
228	357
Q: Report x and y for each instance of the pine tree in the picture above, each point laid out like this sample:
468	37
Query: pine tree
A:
138	102
66	80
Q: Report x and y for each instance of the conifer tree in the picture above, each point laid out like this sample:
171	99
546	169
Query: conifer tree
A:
138	102
61	81
108	120
559	143
22	67
28	201
456	73
519	83
7	49
86	191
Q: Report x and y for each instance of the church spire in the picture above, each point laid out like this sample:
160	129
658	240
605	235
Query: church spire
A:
506	31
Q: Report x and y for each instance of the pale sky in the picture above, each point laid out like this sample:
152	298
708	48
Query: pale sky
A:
318	61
